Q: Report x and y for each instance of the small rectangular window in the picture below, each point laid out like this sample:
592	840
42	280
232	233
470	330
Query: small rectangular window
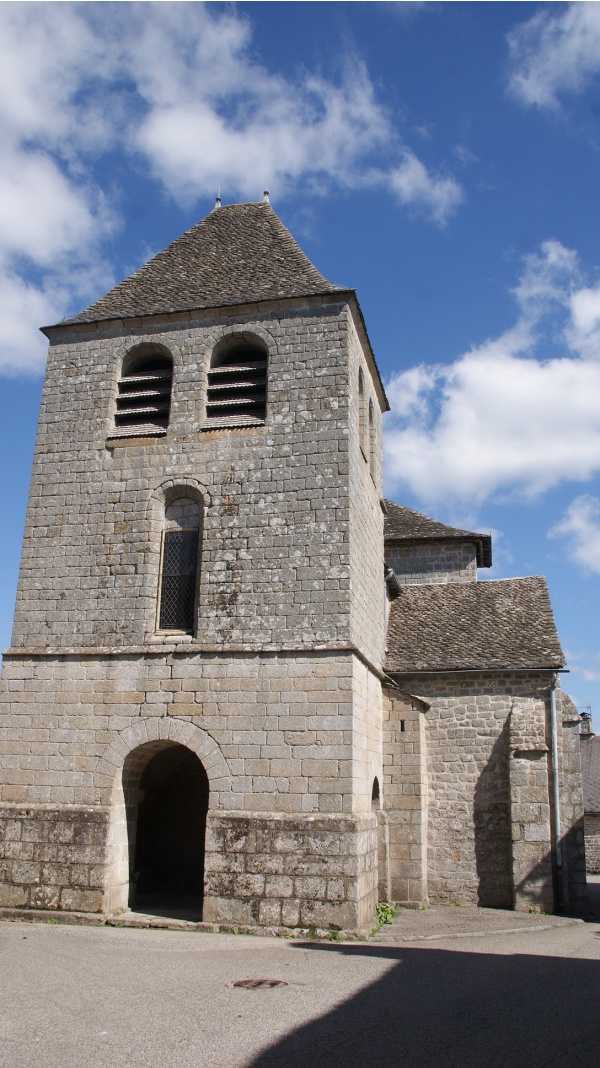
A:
178	580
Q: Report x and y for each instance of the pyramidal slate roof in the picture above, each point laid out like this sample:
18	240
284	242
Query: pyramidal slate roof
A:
404	524
590	772
238	254
507	623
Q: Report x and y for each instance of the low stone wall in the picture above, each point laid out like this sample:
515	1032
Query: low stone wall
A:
278	871
53	857
260	871
592	842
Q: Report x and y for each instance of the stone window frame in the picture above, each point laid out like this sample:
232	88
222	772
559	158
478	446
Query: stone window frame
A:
159	495
259	347
143	350
362	416
372	440
120	358
172	493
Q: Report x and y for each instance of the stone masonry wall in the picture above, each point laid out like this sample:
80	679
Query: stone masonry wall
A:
275	733
276	543
405	798
469	795
53	857
366	517
367	737
592	842
281	871
530	786
573	890
433	563
289	730
283	723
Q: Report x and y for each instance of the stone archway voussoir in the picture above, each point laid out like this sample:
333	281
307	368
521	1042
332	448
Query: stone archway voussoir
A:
193	737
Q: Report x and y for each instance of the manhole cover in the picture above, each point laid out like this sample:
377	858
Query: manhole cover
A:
257	984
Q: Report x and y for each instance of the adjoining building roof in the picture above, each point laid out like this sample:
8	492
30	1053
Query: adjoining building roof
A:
404	524
238	254
590	772
473	626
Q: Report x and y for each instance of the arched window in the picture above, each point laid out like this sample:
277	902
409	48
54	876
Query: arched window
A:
371	440
375	795
144	397
362	415
179	565
237	383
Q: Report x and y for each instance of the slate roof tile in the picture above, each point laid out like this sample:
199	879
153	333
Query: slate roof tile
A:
238	254
476	625
404	524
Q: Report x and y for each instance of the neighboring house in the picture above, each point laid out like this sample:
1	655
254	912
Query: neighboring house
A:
240	683
590	773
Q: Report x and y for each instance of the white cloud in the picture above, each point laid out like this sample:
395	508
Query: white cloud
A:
316	131
501	419
52	216
554	53
42	212
216	118
176	85
406	10
23	306
415	185
580	526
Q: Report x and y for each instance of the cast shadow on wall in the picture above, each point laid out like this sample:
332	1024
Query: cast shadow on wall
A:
492	828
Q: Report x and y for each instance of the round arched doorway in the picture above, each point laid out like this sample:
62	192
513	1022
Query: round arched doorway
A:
167	801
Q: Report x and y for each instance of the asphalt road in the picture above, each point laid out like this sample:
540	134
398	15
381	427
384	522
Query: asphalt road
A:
106	998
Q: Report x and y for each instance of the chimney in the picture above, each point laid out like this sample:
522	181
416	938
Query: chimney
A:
586	725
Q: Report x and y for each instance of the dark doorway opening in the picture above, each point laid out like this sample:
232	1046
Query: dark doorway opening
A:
168	877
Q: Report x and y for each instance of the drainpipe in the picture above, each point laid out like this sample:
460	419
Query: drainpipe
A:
555	787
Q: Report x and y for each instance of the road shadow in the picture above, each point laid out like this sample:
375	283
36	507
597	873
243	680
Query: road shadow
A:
438	1008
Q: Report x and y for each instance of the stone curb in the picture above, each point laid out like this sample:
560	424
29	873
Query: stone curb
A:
401	939
145	922
91	919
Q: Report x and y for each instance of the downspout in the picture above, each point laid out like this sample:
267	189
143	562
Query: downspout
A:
556	790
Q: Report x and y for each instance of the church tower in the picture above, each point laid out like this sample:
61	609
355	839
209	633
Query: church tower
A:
192	698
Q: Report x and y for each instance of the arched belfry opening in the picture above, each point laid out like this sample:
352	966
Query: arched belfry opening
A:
237	383
144	392
166	800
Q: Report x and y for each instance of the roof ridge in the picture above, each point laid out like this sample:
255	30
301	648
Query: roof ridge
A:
437	522
406	524
237	254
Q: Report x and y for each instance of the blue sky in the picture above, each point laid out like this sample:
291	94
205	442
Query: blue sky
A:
441	158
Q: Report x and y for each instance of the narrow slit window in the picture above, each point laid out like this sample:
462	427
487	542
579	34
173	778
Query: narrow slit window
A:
237	385
362	418
371	441
144	397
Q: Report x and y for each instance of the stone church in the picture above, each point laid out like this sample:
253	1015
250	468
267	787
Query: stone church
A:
242	686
